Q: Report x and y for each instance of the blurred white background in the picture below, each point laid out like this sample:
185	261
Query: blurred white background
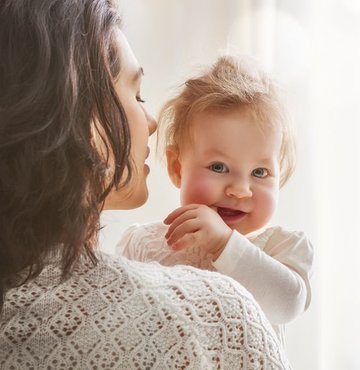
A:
312	48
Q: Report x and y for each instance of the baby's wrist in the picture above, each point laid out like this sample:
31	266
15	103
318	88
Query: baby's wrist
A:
215	254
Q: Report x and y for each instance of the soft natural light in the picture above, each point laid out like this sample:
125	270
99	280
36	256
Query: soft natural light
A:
313	49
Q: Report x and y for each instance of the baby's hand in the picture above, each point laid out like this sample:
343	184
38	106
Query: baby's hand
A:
197	225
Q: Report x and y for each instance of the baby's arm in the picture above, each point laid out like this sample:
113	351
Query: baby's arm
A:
277	276
147	243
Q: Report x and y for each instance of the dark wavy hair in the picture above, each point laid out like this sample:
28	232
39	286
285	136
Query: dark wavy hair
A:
59	60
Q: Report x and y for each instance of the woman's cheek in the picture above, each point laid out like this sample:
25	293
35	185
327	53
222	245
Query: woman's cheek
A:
196	189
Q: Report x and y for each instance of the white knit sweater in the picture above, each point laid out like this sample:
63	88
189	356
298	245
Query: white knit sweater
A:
123	314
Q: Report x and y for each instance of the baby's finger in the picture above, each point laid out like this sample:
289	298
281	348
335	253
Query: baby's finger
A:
188	227
178	212
188	215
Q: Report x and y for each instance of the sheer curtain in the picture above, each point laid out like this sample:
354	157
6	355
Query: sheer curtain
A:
335	117
312	48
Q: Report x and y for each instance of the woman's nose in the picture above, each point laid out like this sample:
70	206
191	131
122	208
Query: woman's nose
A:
239	189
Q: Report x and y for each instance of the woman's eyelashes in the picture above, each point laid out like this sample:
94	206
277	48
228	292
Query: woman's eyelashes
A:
219	167
139	99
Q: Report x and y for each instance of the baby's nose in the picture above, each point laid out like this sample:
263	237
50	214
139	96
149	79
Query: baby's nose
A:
240	189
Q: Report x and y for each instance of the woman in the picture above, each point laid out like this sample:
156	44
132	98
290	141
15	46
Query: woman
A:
73	141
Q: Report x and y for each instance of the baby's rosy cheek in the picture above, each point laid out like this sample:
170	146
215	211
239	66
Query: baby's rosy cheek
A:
197	191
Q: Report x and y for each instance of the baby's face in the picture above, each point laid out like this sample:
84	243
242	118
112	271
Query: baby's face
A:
232	165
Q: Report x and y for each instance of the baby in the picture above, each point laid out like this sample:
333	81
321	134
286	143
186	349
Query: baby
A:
229	149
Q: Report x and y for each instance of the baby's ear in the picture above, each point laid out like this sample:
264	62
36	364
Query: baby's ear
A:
173	164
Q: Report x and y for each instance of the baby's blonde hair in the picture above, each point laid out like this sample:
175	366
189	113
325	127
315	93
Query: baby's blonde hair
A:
229	84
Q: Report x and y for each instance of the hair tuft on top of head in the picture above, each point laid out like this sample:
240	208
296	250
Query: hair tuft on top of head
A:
230	83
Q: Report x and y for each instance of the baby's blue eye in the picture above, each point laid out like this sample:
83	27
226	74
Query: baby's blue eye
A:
218	167
260	172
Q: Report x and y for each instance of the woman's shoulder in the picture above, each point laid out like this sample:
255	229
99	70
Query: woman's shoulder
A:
200	303
121	312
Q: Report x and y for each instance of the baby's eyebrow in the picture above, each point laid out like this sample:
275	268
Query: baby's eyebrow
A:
267	160
215	151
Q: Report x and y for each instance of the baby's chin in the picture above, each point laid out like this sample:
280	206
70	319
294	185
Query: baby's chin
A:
243	227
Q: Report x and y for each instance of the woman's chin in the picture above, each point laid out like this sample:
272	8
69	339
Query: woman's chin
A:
139	201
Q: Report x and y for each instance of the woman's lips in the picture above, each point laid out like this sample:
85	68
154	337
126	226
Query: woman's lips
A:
230	215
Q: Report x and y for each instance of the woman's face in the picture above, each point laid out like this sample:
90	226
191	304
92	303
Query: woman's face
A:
141	125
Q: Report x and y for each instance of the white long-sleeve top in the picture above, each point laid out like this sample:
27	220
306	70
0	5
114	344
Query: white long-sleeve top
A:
274	265
123	314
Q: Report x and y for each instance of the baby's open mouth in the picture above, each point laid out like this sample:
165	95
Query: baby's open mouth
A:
228	214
